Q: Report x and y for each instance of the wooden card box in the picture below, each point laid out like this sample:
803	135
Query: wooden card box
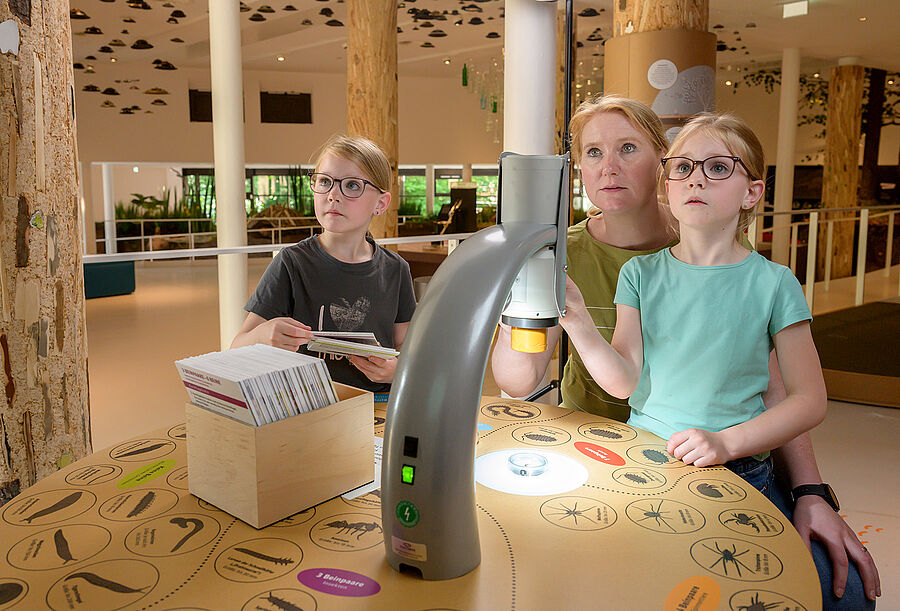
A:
266	473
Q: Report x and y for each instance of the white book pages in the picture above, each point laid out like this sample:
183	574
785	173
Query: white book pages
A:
343	348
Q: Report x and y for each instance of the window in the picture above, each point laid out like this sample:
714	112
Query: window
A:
200	103
285	107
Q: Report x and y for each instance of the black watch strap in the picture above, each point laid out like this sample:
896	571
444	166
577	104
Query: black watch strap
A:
822	490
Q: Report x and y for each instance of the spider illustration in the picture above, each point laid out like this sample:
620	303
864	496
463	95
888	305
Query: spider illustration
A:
742	519
729	556
659	516
573	513
758	605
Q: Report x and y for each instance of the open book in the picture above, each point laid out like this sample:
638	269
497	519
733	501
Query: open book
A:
349	343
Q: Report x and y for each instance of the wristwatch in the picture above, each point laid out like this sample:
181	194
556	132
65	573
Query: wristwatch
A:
822	490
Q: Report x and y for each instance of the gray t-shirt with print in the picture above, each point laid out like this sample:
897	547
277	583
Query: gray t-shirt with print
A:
309	285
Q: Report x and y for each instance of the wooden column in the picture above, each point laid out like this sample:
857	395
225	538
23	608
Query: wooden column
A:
44	421
372	89
841	173
632	16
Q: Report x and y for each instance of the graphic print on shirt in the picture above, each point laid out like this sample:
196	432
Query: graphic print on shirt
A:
348	317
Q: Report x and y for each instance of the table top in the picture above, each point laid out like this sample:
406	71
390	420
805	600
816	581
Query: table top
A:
119	530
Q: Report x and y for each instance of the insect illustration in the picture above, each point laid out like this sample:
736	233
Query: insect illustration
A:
9	591
62	546
656	456
142	505
605	433
709	490
183	523
262	556
538	437
379	420
281	603
659	516
727	556
112	586
61	504
360	528
509	410
573	512
637	479
742	519
143	450
757	605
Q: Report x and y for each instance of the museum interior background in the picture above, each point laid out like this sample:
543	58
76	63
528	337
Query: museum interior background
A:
141	152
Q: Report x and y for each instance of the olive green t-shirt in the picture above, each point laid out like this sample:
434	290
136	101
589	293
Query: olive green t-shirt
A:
594	267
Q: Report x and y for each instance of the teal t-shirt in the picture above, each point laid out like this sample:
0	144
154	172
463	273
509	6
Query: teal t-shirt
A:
707	333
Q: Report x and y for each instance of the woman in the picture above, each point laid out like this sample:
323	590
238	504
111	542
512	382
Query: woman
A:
619	143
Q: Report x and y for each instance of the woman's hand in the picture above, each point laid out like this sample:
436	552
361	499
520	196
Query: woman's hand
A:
283	332
375	368
576	310
698	447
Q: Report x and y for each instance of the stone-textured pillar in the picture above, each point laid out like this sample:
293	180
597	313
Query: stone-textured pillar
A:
841	173
662	55
785	152
44	419
228	147
372	89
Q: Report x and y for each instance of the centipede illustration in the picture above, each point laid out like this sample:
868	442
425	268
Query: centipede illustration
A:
539	437
281	603
61	504
637	479
10	591
605	433
265	557
62	546
112	586
142	505
656	456
183	523
143	450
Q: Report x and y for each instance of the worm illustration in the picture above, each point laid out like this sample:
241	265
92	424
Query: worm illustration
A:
62	504
281	603
62	546
112	586
9	591
142	505
143	450
183	523
265	557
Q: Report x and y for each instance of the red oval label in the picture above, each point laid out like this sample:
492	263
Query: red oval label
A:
592	450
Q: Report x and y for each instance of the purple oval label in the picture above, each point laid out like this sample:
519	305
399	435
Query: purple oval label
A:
339	582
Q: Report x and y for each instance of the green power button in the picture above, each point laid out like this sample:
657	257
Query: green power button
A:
407	514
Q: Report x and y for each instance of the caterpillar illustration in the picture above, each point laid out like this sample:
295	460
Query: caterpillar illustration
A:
281	603
262	556
605	433
538	437
656	456
143	450
183	523
62	504
142	505
112	586
62	546
10	591
636	478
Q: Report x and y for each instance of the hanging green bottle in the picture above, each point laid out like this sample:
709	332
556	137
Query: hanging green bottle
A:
465	76
494	105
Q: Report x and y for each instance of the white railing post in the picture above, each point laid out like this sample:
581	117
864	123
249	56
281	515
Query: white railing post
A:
794	227
829	247
811	244
861	255
141	221
889	252
751	232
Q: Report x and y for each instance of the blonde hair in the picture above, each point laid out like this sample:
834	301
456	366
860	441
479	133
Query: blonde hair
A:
639	114
370	158
739	140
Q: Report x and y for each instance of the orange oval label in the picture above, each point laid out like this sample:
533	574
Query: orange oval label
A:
699	593
592	450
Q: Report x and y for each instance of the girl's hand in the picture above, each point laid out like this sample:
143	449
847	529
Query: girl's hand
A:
375	368
698	447
576	310
283	332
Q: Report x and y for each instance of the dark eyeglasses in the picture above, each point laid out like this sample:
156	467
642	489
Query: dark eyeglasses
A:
719	167
350	186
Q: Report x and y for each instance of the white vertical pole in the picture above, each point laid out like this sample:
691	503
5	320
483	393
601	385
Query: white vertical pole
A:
889	253
109	209
861	255
751	231
793	265
811	244
228	146
529	77
784	156
829	247
429	189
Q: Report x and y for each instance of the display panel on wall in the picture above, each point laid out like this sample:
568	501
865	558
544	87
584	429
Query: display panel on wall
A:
200	103
285	107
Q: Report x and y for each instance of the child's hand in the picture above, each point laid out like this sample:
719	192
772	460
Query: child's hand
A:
375	368
575	307
283	332
698	447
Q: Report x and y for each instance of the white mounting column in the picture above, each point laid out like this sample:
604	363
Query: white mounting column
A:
529	77
784	155
109	209
228	146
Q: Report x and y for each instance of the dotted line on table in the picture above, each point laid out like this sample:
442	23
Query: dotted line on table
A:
509	549
197	570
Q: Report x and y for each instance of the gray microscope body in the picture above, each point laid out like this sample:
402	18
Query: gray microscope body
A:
428	486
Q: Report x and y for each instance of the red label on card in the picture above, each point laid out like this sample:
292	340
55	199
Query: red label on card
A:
600	453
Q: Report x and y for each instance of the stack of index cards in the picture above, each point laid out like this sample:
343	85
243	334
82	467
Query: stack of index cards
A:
257	384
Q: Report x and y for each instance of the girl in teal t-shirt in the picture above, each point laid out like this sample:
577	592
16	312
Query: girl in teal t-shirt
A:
696	322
